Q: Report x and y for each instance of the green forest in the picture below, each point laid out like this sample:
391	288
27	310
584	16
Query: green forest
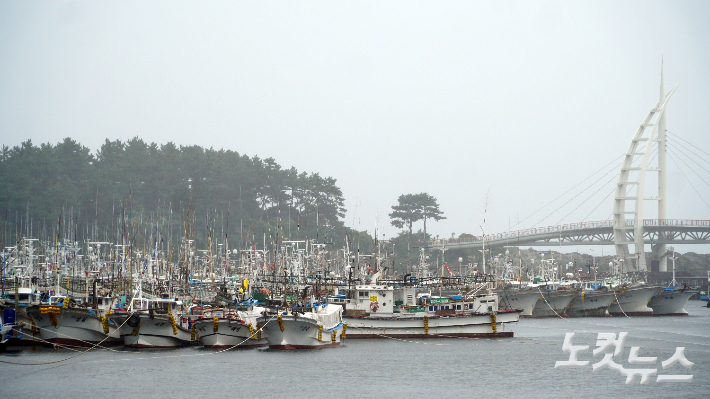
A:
146	190
148	195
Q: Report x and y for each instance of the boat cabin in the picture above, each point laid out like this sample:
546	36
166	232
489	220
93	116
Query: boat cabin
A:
458	305
25	296
368	300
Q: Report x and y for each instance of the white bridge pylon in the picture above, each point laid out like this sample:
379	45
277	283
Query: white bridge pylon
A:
631	186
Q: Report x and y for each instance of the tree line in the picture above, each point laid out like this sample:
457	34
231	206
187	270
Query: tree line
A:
67	192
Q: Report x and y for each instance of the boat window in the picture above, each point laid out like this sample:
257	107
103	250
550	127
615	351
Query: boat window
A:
458	307
363	294
431	308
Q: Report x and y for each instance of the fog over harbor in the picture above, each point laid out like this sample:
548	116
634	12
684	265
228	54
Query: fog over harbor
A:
510	105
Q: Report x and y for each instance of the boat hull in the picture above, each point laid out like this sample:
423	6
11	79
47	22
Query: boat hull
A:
75	327
24	326
555	304
524	300
633	301
229	334
469	325
152	332
593	303
671	302
299	333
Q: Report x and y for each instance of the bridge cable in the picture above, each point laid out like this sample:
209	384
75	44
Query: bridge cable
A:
691	169
676	136
655	149
686	155
563	194
689	182
578	194
588	198
598	205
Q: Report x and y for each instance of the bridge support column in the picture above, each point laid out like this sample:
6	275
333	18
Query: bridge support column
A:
632	180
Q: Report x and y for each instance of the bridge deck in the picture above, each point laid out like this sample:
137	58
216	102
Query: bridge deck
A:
656	231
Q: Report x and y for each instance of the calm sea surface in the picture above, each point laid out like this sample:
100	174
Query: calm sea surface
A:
490	368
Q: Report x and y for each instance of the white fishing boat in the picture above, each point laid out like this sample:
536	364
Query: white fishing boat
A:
62	323
153	323
221	328
313	325
524	298
671	301
554	300
378	311
633	299
592	300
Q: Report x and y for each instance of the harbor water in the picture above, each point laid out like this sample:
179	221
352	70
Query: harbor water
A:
523	366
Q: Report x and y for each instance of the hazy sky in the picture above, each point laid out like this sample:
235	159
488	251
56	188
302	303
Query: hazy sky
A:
521	100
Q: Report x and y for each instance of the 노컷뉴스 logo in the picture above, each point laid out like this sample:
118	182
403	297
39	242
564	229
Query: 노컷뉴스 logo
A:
606	341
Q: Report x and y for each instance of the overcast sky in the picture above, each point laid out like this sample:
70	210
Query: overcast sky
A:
520	100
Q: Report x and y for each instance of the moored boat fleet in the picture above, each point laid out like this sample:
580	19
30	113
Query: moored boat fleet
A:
299	299
572	299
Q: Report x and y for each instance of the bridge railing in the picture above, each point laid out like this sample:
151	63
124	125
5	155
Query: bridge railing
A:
675	222
571	226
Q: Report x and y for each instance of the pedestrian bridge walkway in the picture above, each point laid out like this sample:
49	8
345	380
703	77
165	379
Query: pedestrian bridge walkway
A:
656	231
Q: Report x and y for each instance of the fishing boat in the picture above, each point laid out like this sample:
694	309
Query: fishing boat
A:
554	299
221	328
19	300
151	323
593	300
64	321
376	310
671	301
632	299
309	325
523	298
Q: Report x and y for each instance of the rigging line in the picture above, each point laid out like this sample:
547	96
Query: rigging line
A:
686	155
588	198
689	150
689	143
691	169
691	184
561	195
578	194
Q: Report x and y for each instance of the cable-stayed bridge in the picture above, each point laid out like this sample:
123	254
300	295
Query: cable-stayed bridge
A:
646	154
669	231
